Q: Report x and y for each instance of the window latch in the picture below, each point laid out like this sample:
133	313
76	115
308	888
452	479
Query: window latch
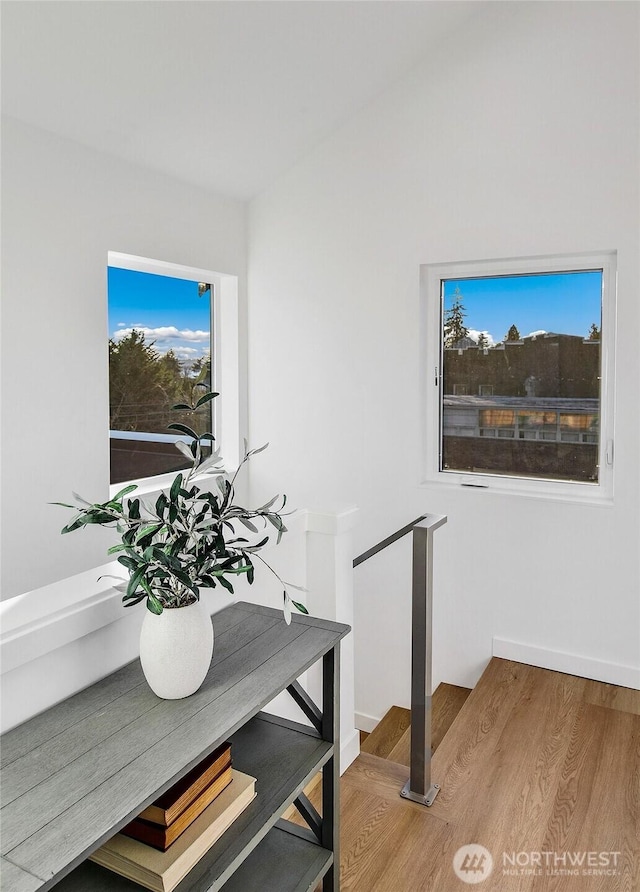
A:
609	453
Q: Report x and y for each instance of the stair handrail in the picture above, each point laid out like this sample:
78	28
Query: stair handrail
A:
384	543
419	787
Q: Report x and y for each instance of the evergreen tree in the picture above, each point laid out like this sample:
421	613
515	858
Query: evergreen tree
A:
594	332
144	385
483	341
134	383
513	334
454	328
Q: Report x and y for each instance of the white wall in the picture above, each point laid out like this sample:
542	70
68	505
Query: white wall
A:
64	208
520	137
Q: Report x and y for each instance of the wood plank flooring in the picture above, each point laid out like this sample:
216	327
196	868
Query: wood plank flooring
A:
447	701
386	735
391	738
541	768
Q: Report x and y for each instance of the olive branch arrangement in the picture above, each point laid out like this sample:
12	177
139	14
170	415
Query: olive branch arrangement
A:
189	538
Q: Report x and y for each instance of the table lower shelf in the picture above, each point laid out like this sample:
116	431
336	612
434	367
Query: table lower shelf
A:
280	863
282	759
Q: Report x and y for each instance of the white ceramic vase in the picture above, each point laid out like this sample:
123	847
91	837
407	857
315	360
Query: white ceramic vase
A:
176	649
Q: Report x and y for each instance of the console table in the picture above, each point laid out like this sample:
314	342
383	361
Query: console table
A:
74	775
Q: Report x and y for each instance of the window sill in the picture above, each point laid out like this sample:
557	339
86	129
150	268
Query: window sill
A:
153	486
538	490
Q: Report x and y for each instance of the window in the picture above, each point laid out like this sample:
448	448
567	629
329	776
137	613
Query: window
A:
519	393
166	347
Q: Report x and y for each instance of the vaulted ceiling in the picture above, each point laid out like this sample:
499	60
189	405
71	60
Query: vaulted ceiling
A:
227	95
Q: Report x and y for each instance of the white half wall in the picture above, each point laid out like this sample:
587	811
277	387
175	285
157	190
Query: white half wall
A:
519	137
59	638
63	208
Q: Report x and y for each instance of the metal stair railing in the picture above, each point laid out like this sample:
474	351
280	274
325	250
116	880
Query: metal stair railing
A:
419	787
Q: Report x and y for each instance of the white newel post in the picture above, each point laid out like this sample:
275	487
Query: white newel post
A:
329	548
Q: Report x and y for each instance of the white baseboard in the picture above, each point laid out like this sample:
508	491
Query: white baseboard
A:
571	664
365	722
349	750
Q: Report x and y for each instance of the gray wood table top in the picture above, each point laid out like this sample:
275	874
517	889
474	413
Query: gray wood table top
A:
75	774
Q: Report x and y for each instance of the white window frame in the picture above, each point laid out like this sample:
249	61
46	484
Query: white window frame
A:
225	368
431	276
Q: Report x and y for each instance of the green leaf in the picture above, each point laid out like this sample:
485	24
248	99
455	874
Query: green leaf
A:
175	489
161	504
148	530
116	548
124	492
183	430
101	517
183	577
136	576
258	546
135	600
74	525
145	585
300	607
154	605
131	563
225	584
183	406
63	505
248	524
164	558
237	571
133	507
205	399
138	596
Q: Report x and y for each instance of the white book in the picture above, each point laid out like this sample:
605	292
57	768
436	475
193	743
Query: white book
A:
162	871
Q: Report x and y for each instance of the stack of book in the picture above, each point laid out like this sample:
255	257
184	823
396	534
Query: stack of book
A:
159	847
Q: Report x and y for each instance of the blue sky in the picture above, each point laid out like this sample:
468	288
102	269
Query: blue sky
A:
168	311
565	303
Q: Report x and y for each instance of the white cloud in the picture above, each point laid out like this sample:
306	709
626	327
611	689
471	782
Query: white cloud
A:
186	344
186	352
534	334
474	335
163	333
121	324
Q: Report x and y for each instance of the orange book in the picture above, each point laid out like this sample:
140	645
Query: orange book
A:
177	798
161	837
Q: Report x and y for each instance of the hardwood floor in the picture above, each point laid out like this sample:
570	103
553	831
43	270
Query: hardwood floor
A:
386	735
540	768
448	700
